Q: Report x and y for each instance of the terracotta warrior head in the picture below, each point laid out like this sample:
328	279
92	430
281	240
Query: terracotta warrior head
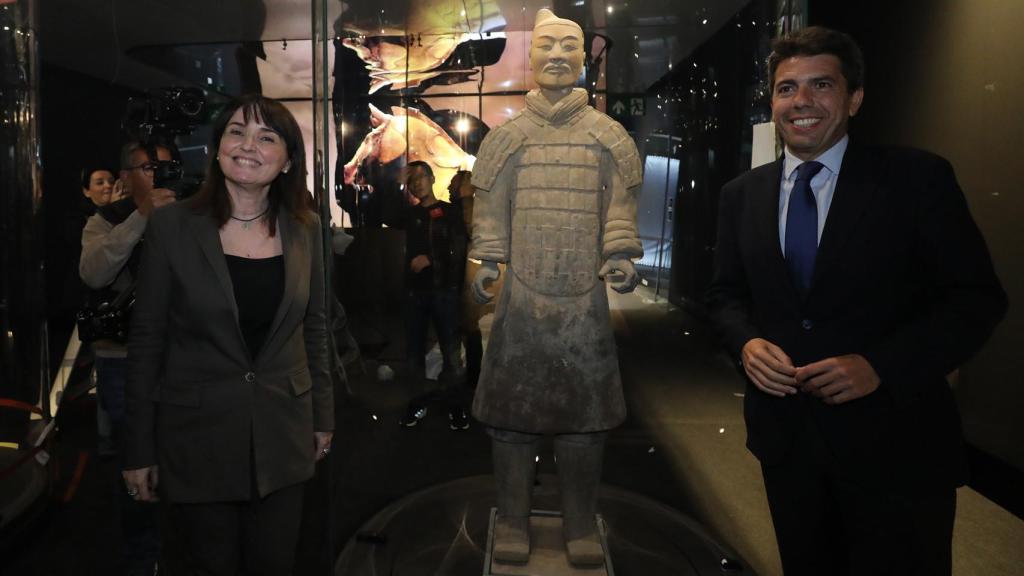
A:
556	52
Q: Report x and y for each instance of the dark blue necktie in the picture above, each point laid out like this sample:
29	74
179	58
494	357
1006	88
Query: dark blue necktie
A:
802	227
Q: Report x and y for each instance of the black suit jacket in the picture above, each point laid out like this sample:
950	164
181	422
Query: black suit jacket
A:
902	277
197	404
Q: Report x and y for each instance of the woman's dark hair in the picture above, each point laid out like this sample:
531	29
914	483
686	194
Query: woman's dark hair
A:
288	190
816	40
91	169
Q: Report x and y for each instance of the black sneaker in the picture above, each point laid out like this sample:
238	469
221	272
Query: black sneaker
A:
413	415
457	419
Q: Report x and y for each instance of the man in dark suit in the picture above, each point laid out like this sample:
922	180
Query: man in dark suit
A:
848	282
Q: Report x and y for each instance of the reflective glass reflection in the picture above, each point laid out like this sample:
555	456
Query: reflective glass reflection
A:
426	80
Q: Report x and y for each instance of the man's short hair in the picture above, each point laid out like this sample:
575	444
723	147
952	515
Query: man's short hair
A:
130	147
127	151
414	165
419	164
816	40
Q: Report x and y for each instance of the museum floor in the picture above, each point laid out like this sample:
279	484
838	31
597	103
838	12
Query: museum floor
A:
681	447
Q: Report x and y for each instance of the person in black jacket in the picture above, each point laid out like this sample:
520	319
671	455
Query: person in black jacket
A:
435	265
849	281
229	400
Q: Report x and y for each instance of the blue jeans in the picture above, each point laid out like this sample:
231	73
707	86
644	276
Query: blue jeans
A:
140	532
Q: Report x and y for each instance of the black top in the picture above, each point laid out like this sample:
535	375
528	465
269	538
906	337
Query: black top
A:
439	232
258	285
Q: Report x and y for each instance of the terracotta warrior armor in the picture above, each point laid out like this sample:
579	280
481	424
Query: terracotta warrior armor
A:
557	195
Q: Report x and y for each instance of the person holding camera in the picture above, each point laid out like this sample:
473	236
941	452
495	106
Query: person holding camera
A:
111	234
110	238
229	401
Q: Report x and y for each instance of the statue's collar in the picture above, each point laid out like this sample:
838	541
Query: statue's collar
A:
560	112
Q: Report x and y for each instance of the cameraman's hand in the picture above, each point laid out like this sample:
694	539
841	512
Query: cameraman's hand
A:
157	197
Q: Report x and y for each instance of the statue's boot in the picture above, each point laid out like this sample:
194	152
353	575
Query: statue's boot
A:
579	474
514	472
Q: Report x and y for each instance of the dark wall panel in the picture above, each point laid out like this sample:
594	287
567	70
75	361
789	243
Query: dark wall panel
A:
79	126
946	76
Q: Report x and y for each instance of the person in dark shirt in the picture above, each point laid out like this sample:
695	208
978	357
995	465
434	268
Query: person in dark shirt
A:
435	265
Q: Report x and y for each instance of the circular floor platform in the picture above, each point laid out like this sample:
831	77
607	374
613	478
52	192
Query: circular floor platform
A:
443	531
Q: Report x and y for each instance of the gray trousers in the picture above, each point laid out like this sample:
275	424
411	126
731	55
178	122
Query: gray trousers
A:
579	458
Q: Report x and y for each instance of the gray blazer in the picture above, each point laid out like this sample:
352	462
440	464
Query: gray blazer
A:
197	404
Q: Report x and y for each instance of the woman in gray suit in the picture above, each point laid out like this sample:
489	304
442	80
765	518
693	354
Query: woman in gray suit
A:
229	401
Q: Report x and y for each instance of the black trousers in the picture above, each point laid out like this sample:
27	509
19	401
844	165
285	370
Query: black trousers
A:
255	538
837	521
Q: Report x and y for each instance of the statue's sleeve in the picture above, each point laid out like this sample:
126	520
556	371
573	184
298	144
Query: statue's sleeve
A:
623	177
493	179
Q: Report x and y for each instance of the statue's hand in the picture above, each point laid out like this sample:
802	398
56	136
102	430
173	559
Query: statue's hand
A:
485	276
620	272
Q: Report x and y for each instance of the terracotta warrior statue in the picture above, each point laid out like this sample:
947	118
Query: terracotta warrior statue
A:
557	189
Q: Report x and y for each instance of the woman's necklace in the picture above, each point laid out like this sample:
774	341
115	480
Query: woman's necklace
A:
247	222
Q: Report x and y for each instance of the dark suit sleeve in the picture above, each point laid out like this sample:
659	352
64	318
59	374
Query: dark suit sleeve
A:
146	345
965	299
728	294
315	334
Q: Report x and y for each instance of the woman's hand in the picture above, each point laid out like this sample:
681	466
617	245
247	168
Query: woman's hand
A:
119	191
141	483
322	440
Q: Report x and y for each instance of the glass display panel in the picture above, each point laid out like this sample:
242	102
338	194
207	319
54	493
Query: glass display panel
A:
427	80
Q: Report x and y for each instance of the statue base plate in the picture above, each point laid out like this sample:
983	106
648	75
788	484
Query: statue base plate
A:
547	550
443	529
